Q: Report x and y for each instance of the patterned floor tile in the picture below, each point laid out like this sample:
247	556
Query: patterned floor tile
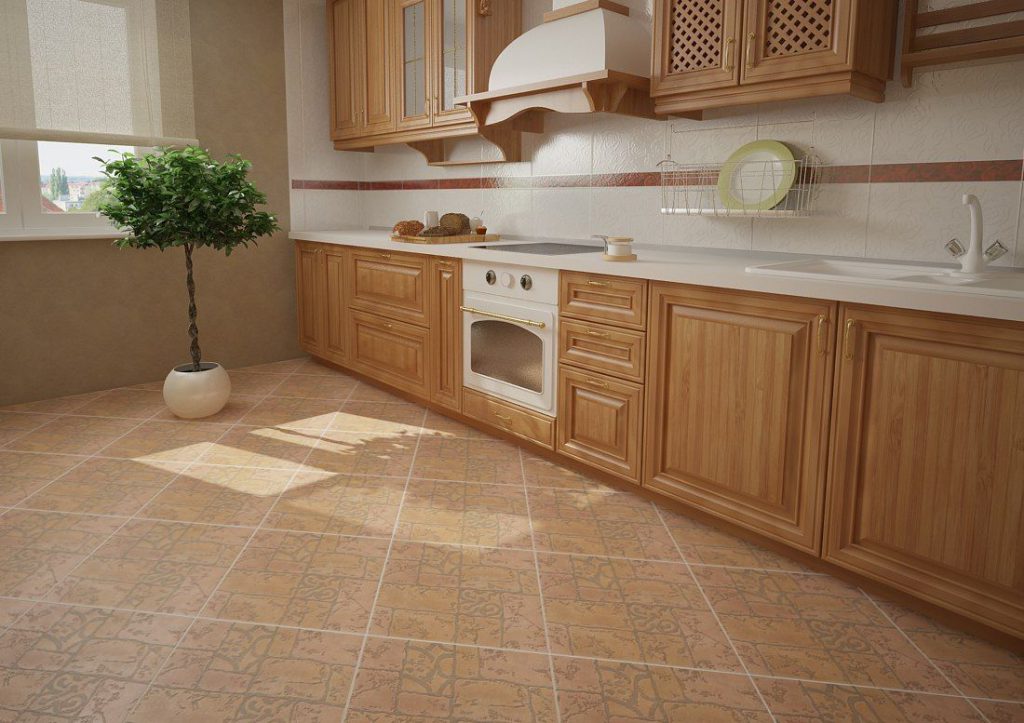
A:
1000	712
252	384
23	473
590	691
39	549
465	595
268	447
468	460
11	610
540	472
650	612
134	403
72	663
288	366
369	393
306	580
237	407
364	453
292	413
793	701
438	425
165	567
312	367
339	504
73	435
379	417
166	441
465	513
105	487
236	672
60	405
337	387
814	627
219	495
17	424
599	522
412	681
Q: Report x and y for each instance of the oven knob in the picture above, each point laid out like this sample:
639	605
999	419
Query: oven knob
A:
526	282
507	280
490	277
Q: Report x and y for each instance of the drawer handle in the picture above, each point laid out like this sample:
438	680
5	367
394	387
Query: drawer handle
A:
597	383
602	284
388	325
507	421
849	340
385	255
513	319
597	334
822	334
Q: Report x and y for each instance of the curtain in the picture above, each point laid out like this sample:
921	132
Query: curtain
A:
96	71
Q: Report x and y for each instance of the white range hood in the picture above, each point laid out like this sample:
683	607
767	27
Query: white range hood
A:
586	57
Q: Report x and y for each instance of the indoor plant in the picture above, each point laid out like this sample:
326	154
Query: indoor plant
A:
183	197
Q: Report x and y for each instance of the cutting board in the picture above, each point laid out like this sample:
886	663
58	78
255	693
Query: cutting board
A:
464	239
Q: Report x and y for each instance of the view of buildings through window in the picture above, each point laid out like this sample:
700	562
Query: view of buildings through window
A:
70	177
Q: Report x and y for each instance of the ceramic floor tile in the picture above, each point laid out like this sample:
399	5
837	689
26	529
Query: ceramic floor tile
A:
339	504
814	627
413	681
590	691
165	567
468	460
134	403
23	473
72	663
102	486
465	513
73	435
39	549
257	385
1000	712
306	580
268	447
540	472
364	453
467	595
599	522
311	367
336	387
11	610
166	441
219	495
438	425
795	701
237	672
237	407
379	417
369	393
287	366
60	405
17	424
292	413
650	612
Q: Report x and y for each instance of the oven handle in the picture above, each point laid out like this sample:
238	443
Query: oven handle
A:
491	314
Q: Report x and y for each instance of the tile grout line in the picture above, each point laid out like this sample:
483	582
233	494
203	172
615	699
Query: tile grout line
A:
714	613
540	590
380	581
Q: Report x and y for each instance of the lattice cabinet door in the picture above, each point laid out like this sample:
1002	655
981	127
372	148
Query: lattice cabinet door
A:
795	38
696	45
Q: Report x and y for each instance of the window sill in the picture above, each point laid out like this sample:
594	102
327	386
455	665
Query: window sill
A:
60	235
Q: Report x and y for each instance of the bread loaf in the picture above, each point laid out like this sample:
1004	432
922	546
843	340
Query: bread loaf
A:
407	228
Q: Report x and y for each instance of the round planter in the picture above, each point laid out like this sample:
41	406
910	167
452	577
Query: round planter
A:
194	395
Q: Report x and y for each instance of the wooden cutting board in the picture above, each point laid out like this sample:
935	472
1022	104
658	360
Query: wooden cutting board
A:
464	239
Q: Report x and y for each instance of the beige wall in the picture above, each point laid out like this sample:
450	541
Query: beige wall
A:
80	315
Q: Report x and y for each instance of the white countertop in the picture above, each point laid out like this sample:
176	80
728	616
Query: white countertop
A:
704	267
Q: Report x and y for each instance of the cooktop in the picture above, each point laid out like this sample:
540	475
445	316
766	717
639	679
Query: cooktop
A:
544	248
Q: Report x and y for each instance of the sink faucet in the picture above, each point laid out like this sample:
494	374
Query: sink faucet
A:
972	259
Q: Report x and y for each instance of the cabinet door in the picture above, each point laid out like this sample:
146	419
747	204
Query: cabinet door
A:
378	91
309	286
927	478
696	45
389	351
604	299
446	333
412	20
346	25
603	349
600	421
737	407
453	69
795	38
393	285
334	304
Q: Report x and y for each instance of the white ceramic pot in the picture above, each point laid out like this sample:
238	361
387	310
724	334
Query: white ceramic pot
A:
194	395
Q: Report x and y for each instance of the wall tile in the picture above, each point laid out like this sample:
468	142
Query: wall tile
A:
508	211
708	232
298	209
565	147
838	227
333	209
628	212
562	212
711	145
1019	255
623	144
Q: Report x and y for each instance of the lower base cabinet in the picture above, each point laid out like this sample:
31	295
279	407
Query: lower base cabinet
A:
515	420
390	351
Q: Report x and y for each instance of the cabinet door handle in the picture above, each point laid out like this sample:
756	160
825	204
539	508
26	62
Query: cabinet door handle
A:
750	49
507	421
729	43
602	284
849	339
385	255
822	334
597	334
388	325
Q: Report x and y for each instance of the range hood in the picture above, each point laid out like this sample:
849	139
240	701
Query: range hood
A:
586	57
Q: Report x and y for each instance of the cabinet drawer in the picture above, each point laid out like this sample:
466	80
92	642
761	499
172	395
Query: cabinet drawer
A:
600	421
389	284
389	351
602	349
515	420
608	299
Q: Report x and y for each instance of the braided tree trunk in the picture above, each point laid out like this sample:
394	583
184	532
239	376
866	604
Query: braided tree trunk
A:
193	330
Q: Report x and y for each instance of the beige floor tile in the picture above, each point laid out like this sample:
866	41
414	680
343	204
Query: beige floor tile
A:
105	487
165	567
1001	712
237	407
288	366
166	441
544	473
134	403
71	663
219	495
315	368
466	513
599	522
254	385
468	460
39	549
793	701
60	405
339	504
438	425
236	672
412	681
364	453
336	387
292	413
23	473
650	612
369	393
467	595
301	579
73	435
267	447
379	417
17	424
591	691
11	610
814	627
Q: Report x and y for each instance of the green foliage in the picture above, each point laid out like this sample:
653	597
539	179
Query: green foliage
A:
183	197
97	198
58	184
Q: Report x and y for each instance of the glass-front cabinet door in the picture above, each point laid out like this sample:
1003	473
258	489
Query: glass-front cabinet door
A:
414	79
452	79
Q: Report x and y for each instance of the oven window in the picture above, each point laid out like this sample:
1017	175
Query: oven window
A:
507	353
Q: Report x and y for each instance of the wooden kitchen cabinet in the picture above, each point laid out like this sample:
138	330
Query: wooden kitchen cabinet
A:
360	68
926	488
389	351
389	284
335	346
714	53
310	288
446	333
737	407
603	299
603	349
511	418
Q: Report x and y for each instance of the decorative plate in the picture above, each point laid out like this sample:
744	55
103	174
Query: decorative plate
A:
757	176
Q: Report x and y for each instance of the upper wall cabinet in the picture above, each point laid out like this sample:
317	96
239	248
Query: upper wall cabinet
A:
714	53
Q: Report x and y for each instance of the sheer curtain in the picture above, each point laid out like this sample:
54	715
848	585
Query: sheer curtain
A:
96	71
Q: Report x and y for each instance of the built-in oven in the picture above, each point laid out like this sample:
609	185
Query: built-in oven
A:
509	327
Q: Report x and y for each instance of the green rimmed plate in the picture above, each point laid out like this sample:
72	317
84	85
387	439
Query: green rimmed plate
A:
757	176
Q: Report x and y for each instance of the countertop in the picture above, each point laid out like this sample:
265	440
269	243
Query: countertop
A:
705	267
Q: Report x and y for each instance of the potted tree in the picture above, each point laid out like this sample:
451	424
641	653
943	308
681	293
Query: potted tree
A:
184	198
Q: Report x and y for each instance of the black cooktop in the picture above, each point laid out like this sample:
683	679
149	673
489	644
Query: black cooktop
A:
544	248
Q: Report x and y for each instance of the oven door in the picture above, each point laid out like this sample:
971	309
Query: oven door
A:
509	350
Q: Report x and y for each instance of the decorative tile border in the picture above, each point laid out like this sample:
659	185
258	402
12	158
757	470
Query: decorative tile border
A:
944	172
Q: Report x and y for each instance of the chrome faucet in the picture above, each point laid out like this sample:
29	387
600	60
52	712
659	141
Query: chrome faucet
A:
603	238
972	259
